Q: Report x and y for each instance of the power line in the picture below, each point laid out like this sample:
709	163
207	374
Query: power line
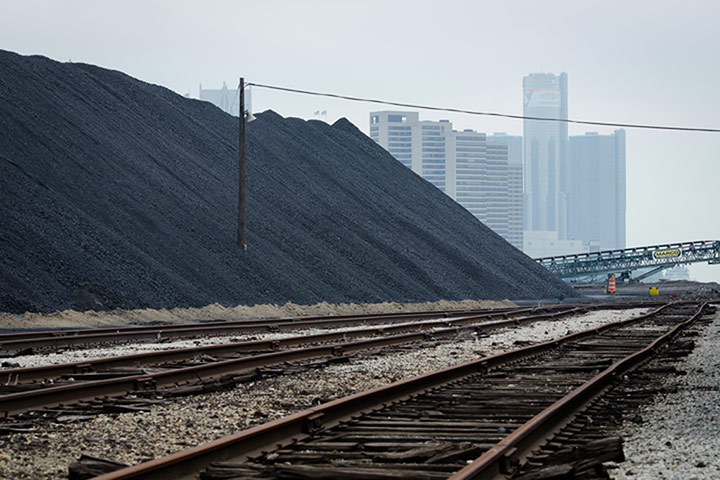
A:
487	114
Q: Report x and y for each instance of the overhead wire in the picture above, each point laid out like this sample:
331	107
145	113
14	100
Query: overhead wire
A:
480	113
236	96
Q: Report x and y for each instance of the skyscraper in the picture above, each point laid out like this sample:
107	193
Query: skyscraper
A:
545	95
467	172
496	188
463	164
226	99
420	145
514	184
596	213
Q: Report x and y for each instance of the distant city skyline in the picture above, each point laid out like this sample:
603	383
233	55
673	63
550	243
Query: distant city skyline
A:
574	186
226	99
545	192
545	160
461	163
617	54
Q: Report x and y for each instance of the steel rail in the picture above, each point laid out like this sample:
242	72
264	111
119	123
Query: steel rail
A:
15	403
285	431
16	342
32	374
504	458
12	344
259	322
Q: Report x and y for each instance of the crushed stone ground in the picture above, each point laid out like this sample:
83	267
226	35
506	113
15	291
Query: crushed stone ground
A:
120	317
132	438
679	438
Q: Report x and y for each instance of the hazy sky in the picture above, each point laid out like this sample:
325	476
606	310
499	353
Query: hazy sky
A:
627	61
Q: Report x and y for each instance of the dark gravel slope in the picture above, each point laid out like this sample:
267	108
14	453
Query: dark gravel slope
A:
124	193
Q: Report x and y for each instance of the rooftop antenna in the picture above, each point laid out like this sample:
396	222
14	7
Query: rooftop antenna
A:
322	115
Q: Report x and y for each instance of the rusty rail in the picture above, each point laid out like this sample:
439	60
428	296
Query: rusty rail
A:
508	454
14	403
12	343
33	374
300	426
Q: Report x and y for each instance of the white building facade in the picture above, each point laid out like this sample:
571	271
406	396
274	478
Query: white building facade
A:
226	99
419	145
513	144
462	164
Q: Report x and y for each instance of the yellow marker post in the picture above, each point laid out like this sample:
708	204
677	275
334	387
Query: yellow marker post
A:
654	291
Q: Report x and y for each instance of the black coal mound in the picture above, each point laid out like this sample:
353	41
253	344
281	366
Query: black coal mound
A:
117	193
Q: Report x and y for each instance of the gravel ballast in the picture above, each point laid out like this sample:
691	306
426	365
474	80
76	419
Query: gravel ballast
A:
121	194
86	354
132	438
679	438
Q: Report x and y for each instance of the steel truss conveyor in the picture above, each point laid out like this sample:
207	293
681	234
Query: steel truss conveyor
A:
624	262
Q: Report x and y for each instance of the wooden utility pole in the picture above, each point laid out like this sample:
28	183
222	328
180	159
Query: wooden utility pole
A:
241	193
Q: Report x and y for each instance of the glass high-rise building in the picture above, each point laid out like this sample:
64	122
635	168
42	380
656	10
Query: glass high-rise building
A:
596	213
545	160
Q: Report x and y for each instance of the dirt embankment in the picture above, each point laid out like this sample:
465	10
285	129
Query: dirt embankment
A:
119	317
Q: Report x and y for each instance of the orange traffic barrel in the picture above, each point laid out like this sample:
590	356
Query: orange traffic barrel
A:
611	284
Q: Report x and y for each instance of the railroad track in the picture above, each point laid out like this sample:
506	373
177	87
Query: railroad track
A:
25	343
29	342
493	413
201	369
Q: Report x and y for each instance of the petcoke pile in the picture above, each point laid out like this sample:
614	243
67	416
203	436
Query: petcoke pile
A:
121	194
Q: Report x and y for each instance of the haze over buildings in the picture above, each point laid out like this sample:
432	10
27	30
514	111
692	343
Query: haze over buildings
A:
574	188
463	164
226	99
545	166
545	153
513	144
618	71
546	193
596	190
